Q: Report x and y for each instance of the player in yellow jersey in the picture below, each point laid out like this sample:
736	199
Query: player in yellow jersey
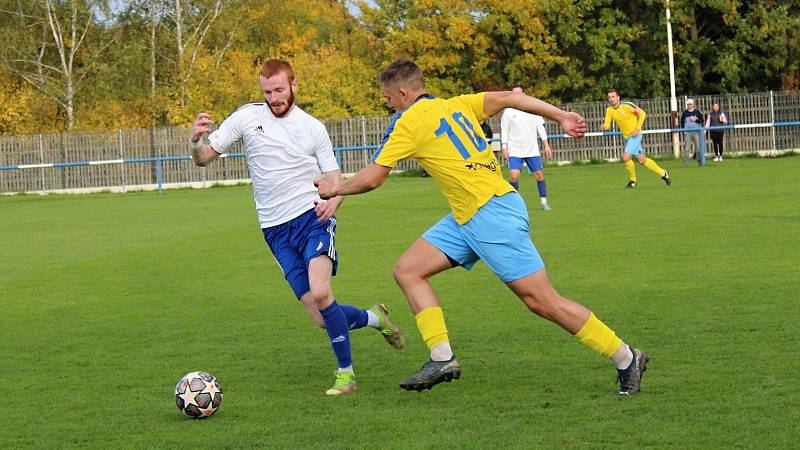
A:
630	120
489	219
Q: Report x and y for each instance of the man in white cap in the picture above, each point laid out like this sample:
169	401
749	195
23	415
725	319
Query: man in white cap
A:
691	119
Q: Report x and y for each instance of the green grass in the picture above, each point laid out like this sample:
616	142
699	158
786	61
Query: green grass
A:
107	300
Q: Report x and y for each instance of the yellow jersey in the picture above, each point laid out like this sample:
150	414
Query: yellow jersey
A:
445	137
628	117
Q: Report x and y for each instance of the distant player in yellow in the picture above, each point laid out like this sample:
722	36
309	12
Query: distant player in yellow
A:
489	219
630	120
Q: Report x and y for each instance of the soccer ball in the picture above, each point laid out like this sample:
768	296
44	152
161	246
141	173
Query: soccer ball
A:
198	394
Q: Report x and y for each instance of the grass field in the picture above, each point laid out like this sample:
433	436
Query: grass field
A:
107	300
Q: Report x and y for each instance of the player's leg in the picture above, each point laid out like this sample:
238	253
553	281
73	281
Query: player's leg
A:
319	278
634	147
320	239
537	168
310	282
631	168
513	257
440	248
514	170
542	299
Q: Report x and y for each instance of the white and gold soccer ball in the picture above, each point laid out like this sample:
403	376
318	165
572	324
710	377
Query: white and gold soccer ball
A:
198	394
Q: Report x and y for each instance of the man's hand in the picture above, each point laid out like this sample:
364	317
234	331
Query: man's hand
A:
325	209
573	124
505	154
636	132
202	125
547	150
327	188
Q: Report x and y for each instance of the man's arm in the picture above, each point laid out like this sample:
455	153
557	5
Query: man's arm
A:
542	131
504	127
202	154
326	209
607	123
642	115
494	102
365	180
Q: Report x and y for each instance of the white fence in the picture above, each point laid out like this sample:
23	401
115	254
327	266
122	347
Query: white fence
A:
154	158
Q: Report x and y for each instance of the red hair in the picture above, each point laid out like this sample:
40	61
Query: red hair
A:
274	66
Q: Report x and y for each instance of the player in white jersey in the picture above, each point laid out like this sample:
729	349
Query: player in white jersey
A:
518	130
286	150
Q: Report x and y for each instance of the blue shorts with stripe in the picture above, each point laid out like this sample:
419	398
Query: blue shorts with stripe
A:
534	163
298	241
499	234
633	145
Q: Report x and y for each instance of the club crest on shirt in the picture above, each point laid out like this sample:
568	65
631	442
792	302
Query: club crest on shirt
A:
297	136
260	129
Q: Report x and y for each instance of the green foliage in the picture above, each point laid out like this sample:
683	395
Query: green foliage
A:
205	54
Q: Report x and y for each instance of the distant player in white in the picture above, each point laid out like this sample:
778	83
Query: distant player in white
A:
518	130
286	150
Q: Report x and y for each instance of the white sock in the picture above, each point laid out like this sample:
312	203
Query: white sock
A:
442	352
372	319
623	357
346	369
544	200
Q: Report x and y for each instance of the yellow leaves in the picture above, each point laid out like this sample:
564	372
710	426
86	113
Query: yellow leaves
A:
22	109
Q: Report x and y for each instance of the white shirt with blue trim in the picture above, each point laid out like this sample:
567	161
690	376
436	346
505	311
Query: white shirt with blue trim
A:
284	156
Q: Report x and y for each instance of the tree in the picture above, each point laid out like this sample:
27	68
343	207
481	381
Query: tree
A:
58	45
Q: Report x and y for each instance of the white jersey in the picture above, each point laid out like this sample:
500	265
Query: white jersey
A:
518	131
284	156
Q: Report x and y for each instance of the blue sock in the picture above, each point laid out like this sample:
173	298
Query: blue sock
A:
356	318
514	184
542	186
336	326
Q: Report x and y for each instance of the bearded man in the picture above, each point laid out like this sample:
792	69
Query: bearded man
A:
287	149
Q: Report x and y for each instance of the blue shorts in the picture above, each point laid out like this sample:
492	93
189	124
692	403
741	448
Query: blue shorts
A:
297	242
633	145
534	163
499	234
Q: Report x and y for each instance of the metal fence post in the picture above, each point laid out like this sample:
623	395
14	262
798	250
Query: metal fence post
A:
701	152
159	175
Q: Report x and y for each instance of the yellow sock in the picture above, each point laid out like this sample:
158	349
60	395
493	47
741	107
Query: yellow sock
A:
631	169
430	322
655	168
597	336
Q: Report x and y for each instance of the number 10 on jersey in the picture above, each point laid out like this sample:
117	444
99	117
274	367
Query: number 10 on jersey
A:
477	140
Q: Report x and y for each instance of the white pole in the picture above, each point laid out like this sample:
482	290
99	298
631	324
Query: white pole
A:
772	119
673	102
122	157
41	161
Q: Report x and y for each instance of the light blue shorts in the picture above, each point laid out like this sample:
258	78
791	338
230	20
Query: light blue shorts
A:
633	145
499	234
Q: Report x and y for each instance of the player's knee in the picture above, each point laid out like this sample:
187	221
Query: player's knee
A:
405	272
401	273
543	304
539	175
321	296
